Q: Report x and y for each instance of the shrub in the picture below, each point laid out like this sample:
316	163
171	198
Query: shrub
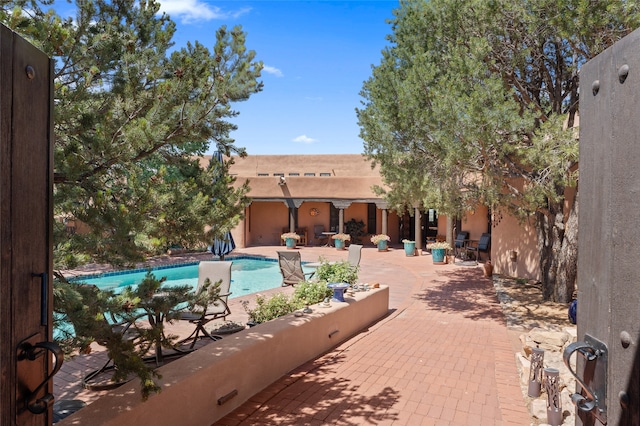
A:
337	272
308	293
267	309
355	229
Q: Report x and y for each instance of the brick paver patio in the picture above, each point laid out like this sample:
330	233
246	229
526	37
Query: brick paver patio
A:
442	356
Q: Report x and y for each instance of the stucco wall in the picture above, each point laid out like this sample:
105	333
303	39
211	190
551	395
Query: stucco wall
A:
195	387
509	235
476	222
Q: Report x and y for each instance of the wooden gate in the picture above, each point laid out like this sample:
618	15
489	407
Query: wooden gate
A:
26	249
607	350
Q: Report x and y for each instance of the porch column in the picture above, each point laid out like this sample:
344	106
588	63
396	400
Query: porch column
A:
292	219
382	205
384	222
341	205
418	227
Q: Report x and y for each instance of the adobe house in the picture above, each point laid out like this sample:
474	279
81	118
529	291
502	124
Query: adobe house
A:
328	190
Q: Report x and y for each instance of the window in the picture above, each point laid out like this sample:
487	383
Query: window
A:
278	174
325	174
263	174
294	174
309	174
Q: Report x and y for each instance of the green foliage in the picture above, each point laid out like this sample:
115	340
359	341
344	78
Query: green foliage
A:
474	103
206	296
84	314
337	272
267	309
132	112
355	228
310	292
306	293
472	97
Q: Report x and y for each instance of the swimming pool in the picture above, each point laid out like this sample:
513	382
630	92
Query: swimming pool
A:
248	275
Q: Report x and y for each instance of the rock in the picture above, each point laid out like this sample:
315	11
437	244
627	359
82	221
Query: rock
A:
549	340
523	365
539	409
572	332
527	344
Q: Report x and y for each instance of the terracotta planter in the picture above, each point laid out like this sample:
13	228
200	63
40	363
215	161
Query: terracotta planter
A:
488	269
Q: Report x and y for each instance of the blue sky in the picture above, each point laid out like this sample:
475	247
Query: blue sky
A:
317	54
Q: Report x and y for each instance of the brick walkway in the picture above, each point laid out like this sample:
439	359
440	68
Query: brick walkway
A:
442	356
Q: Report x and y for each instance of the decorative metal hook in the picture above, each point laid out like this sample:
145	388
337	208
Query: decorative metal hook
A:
31	352
594	399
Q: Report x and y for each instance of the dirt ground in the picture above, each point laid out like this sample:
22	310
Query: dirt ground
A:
524	308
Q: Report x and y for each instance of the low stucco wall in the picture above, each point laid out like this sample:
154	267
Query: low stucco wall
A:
245	362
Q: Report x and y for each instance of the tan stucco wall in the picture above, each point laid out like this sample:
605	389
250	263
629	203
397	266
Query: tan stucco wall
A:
507	235
476	222
339	165
351	179
244	362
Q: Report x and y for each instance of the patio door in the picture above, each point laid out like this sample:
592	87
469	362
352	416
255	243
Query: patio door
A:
26	182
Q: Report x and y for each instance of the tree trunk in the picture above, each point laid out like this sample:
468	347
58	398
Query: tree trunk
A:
558	248
568	263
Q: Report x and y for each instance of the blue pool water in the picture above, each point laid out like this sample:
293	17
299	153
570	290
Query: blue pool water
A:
248	275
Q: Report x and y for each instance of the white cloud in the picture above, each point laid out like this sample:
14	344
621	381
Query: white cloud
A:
304	139
189	11
272	70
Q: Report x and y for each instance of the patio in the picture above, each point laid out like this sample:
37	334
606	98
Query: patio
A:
442	356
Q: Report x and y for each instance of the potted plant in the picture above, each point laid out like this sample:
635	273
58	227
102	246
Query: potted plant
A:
339	239
290	239
355	228
409	247
438	251
381	240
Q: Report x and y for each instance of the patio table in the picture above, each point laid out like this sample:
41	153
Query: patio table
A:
329	235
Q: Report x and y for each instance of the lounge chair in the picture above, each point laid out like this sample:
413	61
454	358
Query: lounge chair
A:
291	268
215	271
355	252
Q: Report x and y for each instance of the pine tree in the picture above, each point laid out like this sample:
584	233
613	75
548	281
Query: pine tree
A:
470	104
131	114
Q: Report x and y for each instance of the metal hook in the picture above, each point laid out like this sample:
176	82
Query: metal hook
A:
590	354
31	352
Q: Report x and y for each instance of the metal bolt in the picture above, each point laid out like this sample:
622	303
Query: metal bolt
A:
595	87
624	399
625	339
31	72
623	72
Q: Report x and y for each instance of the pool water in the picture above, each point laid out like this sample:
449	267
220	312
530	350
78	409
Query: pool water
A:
248	275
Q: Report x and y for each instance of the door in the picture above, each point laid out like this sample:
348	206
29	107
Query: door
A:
608	347
26	250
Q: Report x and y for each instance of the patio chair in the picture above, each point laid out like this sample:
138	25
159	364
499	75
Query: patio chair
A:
317	233
117	326
355	252
484	243
291	268
460	243
215	271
